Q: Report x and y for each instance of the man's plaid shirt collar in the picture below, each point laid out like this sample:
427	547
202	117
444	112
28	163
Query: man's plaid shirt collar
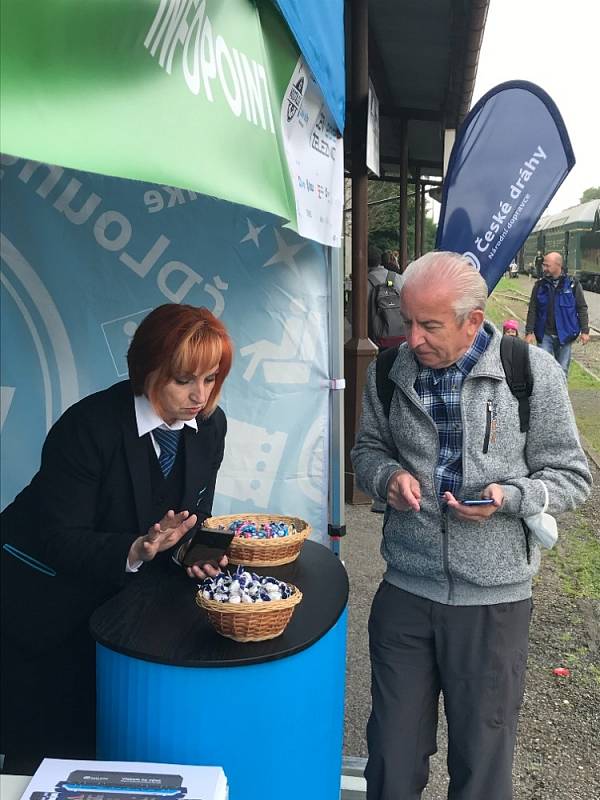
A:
439	390
464	364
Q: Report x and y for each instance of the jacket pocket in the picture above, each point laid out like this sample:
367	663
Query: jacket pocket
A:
488	425
492	553
29	561
40	609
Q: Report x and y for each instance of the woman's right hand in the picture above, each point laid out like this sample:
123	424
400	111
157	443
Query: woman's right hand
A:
161	536
200	571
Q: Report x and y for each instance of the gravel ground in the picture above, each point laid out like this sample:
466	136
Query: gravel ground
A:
558	751
588	355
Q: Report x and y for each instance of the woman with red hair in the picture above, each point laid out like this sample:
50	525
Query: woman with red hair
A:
125	474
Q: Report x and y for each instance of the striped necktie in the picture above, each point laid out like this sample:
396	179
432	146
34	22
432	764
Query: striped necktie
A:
168	441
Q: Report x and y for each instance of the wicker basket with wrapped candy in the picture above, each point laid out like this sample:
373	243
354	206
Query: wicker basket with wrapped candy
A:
262	540
247	607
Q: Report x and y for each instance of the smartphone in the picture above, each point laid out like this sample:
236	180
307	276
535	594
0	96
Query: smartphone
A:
207	546
486	502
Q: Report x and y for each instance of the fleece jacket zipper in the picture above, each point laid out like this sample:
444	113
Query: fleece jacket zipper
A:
443	511
488	426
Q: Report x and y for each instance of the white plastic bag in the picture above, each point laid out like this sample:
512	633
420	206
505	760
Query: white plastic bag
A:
543	526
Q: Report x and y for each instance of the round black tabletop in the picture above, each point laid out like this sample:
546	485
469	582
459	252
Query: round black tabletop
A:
156	618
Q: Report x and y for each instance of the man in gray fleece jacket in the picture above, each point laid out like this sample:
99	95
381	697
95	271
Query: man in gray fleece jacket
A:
452	612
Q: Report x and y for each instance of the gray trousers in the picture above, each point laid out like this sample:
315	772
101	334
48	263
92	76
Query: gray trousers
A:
476	656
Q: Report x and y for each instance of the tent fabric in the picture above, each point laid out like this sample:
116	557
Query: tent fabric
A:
125	247
155	110
318	29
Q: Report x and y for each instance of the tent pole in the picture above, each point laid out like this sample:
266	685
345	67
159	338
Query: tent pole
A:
337	522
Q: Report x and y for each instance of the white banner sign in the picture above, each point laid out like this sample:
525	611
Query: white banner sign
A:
373	131
315	155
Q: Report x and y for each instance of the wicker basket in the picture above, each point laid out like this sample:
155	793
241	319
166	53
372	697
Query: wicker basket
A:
263	552
250	622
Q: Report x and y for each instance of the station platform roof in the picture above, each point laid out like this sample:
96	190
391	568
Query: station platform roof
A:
423	62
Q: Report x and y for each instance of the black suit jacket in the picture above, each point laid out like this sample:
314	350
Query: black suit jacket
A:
66	536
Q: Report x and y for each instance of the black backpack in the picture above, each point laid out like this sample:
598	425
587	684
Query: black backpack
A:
385	319
514	353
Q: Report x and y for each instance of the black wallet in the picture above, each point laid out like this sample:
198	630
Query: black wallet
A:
207	546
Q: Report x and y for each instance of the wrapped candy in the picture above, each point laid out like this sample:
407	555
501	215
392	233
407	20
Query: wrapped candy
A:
250	529
244	587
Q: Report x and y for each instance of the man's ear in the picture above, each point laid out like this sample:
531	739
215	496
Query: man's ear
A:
474	321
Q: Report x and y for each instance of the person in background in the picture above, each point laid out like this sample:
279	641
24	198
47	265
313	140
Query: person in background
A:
389	261
378	273
538	265
510	327
557	312
452	612
125	475
374	263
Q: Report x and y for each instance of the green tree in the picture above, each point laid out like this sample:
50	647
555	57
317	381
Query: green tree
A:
593	193
383	218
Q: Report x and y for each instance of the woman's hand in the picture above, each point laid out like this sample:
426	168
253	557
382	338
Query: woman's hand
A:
201	571
161	536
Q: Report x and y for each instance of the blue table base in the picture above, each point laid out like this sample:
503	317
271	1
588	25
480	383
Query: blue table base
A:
276	727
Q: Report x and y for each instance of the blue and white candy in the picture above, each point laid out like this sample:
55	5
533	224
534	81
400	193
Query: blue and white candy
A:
244	587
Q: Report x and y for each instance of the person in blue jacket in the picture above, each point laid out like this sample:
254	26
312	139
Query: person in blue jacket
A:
558	312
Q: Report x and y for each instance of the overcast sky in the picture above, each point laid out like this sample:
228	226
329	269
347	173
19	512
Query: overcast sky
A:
556	46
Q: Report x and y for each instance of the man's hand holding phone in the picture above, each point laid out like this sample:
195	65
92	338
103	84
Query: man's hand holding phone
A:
478	510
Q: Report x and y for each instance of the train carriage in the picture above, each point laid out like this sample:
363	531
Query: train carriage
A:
575	233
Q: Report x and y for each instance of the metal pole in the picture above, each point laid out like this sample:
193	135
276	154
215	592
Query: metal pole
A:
403	212
418	217
360	216
359	351
423	215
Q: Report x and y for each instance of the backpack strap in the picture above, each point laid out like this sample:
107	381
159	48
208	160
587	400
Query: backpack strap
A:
514	353
385	385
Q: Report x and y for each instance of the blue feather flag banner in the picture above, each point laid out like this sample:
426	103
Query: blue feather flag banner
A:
511	154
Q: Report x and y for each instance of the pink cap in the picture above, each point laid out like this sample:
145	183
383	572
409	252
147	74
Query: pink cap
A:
510	325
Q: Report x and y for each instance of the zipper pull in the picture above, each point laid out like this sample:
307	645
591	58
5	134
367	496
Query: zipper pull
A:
493	422
489	419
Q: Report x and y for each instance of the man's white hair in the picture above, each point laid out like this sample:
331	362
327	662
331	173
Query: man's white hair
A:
451	270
